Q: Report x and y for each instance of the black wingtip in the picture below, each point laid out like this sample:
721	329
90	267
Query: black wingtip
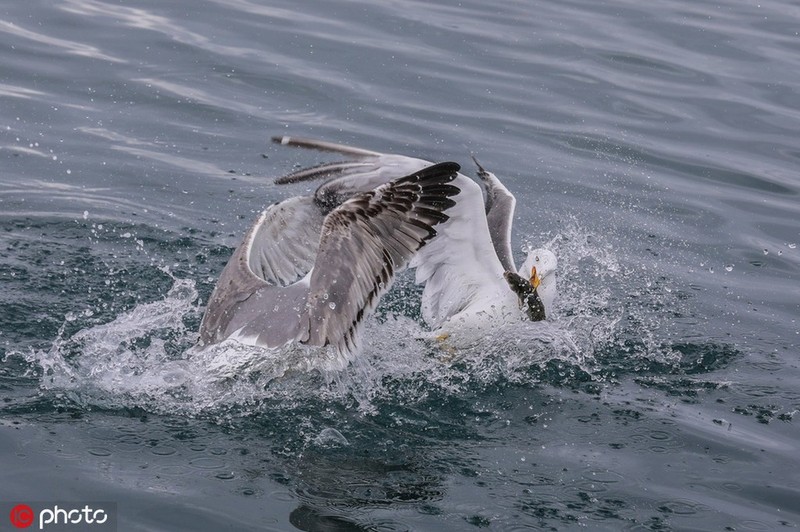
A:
447	166
440	172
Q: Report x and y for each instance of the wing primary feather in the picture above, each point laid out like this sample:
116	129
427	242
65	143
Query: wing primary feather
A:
500	205
320	171
320	145
365	242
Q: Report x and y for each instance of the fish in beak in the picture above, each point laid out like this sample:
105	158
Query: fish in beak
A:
526	290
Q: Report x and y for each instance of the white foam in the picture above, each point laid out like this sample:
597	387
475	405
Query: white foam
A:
146	356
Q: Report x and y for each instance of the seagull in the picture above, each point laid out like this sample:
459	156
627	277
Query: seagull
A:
471	281
311	270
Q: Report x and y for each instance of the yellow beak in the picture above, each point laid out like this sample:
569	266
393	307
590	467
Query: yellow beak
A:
535	280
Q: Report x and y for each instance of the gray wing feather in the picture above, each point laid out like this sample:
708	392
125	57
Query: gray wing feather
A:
281	247
367	175
321	145
361	245
500	205
278	249
323	171
343	179
364	243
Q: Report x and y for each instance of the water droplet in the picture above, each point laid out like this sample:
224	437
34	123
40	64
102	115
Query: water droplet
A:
332	305
729	267
330	437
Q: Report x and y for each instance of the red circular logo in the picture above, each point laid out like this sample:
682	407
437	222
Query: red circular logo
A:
21	516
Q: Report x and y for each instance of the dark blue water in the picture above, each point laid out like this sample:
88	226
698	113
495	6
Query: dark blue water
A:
653	146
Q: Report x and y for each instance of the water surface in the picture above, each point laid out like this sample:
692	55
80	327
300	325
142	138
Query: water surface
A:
652	146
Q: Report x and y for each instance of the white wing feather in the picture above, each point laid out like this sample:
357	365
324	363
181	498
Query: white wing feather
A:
459	267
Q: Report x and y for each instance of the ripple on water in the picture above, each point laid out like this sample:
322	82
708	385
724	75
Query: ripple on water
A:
129	443
206	463
172	470
103	433
163	450
655	440
682	507
732	486
722	459
98	451
660	435
758	390
769	365
752	524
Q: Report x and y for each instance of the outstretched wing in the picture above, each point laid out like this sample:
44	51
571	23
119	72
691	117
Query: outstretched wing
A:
464	265
278	249
364	242
364	171
321	145
500	204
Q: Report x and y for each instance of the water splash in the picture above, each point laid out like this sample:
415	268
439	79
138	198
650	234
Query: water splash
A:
133	357
146	357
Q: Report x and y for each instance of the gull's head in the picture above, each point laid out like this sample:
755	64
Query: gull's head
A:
535	284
